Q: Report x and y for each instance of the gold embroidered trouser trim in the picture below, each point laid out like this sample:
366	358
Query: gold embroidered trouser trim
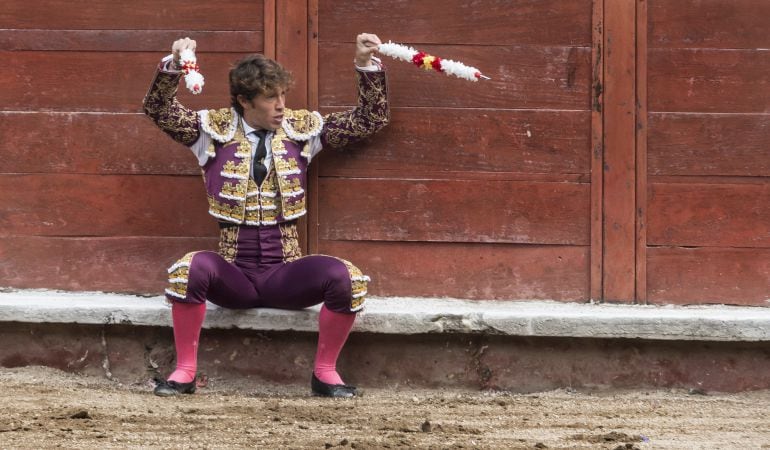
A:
228	243
290	242
178	275
358	283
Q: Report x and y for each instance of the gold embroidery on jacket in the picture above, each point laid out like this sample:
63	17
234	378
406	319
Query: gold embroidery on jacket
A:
162	106
286	165
301	124
264	204
294	210
236	189
220	120
224	211
239	171
371	114
233	191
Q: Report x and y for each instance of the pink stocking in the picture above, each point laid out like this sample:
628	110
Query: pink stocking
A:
188	320
333	330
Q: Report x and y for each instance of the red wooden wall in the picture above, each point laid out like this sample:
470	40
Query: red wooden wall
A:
619	151
475	190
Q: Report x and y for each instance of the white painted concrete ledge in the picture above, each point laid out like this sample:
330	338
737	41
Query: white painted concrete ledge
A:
396	315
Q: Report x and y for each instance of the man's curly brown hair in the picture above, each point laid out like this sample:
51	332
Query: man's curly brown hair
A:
257	75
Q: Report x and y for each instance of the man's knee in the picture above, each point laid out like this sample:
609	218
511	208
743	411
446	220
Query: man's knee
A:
346	287
205	264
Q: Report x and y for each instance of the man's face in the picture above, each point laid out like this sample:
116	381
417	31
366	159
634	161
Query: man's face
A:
264	111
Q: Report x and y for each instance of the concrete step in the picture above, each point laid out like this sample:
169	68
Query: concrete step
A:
408	316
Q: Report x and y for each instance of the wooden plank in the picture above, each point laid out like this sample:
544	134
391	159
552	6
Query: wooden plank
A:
546	22
137	15
48	142
128	40
447	140
709	215
87	81
522	77
619	152
597	150
104	205
641	151
291	48
728	81
454	211
708	275
469	271
438	174
709	23
709	144
134	265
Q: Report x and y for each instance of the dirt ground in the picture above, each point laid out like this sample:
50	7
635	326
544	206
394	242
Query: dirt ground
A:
47	408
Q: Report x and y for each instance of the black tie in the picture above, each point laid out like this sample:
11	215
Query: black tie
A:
260	171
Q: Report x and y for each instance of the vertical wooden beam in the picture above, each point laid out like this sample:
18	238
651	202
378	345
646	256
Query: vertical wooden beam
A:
619	150
597	151
641	151
313	104
291	51
269	26
312	54
291	47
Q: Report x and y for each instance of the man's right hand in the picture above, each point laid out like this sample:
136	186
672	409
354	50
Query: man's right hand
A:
178	46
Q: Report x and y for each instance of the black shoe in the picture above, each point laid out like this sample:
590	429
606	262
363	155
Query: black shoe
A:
167	388
331	390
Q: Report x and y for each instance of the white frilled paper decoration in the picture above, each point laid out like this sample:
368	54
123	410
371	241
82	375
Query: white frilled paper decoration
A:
430	62
192	76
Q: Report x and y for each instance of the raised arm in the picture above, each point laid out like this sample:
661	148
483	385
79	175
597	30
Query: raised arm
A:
161	104
372	112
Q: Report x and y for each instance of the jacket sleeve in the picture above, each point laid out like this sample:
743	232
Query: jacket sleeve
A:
162	106
371	114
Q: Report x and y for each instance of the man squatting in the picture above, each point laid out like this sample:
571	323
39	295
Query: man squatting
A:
254	158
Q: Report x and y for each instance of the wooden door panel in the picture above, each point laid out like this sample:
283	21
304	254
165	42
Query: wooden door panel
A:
706	107
737	276
729	145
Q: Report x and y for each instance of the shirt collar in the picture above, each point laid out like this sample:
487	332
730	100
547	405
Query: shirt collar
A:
247	129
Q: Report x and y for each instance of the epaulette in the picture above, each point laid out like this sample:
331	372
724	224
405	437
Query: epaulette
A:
301	125
220	124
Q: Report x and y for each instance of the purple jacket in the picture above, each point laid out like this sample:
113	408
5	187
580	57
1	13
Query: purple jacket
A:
233	195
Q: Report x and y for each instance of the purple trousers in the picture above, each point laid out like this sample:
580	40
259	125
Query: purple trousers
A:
263	267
